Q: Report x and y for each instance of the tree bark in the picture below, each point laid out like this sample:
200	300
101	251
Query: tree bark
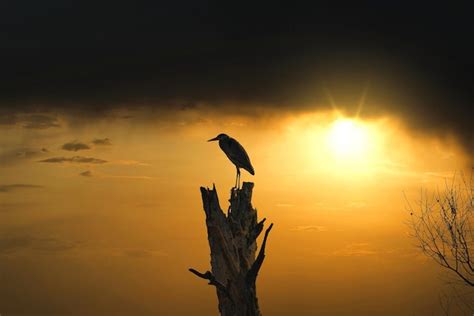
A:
232	241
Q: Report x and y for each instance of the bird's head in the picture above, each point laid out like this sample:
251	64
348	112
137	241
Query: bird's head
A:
219	137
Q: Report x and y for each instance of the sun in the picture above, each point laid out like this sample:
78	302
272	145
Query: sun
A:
348	139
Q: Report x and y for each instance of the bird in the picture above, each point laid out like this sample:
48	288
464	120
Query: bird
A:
236	153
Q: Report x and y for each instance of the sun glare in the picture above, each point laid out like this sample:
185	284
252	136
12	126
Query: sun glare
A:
348	139
340	145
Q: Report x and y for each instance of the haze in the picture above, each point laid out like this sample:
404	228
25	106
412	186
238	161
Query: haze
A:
115	234
347	112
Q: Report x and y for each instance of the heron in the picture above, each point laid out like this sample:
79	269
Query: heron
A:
236	153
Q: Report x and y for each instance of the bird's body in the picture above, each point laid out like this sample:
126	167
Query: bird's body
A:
236	153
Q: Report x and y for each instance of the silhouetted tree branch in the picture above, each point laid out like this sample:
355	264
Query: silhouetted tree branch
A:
443	228
212	279
252	273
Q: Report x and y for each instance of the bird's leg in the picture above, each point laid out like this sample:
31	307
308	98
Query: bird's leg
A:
238	183
236	177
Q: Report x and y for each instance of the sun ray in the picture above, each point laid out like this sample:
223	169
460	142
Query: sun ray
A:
332	102
362	99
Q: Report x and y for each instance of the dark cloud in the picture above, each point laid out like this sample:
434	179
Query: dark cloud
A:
75	146
14	187
38	121
8	119
28	121
75	159
18	155
417	60
86	173
102	142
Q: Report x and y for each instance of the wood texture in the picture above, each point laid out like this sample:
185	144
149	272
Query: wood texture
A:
232	241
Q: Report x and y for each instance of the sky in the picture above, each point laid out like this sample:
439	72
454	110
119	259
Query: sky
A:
346	112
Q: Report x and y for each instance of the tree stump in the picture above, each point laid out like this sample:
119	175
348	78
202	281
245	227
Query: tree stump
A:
232	241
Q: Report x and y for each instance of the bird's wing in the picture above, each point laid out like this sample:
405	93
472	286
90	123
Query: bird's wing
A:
239	156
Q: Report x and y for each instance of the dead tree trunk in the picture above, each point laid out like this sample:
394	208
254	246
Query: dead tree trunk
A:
232	240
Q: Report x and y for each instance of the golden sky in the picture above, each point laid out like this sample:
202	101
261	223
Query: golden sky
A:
347	111
105	217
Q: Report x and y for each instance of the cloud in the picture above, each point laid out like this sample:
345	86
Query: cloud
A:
310	228
52	244
14	187
13	244
8	119
279	64
75	146
89	173
356	250
75	159
39	121
86	173
18	155
29	121
130	163
102	142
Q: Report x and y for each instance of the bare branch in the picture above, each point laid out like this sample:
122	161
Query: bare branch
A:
252	274
211	278
442	228
256	232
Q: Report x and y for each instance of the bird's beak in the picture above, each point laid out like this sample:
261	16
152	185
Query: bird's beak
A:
213	139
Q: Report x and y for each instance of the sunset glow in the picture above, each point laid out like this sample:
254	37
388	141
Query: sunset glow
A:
329	184
348	139
336	126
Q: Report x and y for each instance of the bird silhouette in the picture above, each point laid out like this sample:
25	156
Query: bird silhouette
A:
236	153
